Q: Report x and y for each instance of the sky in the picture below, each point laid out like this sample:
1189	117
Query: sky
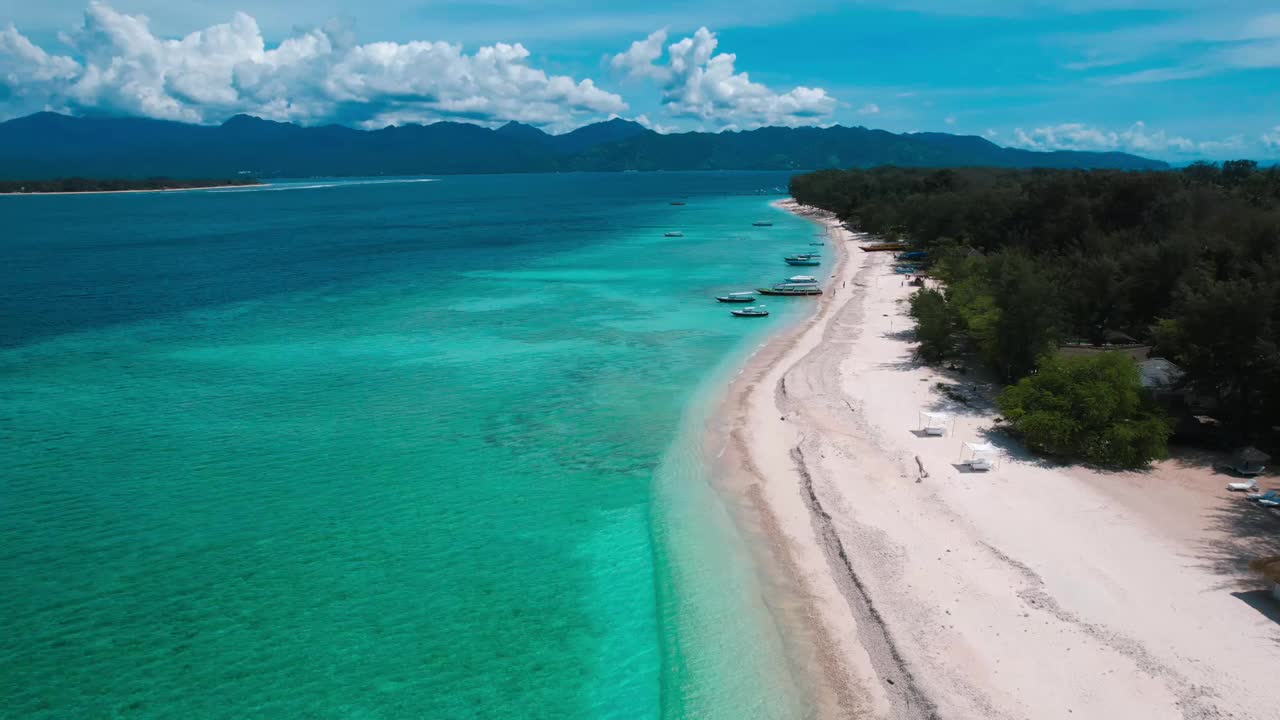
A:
1174	79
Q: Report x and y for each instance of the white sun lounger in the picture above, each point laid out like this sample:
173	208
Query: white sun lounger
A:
1249	486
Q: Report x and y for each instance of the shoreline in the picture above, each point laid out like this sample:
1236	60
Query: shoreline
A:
140	190
1031	591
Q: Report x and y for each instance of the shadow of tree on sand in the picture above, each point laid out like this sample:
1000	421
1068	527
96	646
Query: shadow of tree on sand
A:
1239	531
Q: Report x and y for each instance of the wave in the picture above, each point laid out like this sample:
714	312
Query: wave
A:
269	187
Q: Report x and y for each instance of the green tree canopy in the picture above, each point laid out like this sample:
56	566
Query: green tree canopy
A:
1091	408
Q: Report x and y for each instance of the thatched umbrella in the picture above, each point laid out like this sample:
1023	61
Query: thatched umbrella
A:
1267	567
1253	455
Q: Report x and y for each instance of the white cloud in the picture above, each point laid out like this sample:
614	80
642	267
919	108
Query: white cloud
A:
1137	138
1271	140
313	76
991	133
638	60
869	109
950	120
699	83
656	127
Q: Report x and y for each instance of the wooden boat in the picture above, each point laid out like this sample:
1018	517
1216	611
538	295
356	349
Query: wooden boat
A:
756	311
676	233
677	203
803	261
808	279
805	288
883	247
762	223
737	297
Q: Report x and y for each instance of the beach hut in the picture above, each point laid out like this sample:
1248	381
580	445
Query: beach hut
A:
1269	569
979	456
1250	461
934	423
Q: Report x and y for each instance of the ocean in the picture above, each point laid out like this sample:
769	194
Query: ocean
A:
382	449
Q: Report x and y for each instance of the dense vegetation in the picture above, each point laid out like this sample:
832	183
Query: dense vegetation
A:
1187	261
77	184
1091	407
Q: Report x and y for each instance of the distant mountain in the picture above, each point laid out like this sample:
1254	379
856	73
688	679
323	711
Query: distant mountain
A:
47	145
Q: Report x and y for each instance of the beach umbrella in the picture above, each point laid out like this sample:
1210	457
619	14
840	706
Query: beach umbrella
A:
1252	454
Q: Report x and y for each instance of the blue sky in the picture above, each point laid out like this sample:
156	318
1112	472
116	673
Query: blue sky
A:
1174	79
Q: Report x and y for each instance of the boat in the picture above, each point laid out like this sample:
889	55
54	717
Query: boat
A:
677	203
806	261
818	244
809	279
754	311
883	247
762	223
737	297
808	255
675	233
805	288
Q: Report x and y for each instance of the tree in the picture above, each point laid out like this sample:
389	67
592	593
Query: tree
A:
1092	408
935	324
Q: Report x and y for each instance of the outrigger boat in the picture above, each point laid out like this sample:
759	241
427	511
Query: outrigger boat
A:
677	202
802	260
802	279
755	311
792	288
762	223
883	247
675	233
737	297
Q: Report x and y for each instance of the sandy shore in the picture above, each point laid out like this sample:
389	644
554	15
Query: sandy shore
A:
1032	591
121	192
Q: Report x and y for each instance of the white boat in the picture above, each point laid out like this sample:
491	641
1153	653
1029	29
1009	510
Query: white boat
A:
737	297
802	279
753	311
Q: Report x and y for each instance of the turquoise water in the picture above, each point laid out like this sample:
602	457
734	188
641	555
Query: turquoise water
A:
380	450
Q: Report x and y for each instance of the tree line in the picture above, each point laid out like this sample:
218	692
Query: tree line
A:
1187	261
79	184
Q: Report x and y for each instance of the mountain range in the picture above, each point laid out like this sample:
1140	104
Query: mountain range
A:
46	145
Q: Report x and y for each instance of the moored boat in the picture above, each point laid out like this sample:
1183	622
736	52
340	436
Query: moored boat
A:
675	233
762	223
805	261
737	297
754	311
883	247
806	279
677	202
805	288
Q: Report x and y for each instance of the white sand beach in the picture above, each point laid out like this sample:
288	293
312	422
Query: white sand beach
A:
1031	591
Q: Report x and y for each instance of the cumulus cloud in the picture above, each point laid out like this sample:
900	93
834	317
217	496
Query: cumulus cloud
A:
869	109
316	75
1271	140
1077	136
701	84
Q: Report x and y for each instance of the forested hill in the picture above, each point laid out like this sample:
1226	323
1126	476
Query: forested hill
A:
48	145
1187	261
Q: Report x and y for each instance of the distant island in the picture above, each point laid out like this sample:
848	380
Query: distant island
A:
114	185
47	145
